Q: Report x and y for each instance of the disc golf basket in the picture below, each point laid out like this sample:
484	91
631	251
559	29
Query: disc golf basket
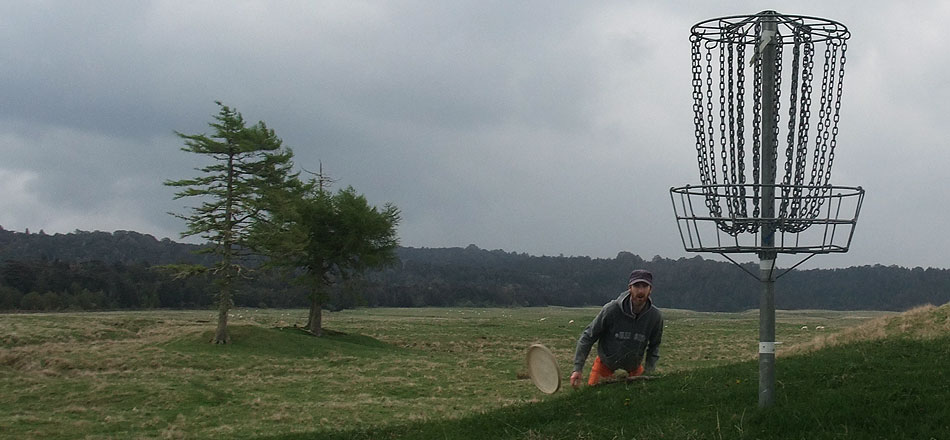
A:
767	84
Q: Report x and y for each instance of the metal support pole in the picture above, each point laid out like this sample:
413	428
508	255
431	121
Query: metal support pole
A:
767	334
768	158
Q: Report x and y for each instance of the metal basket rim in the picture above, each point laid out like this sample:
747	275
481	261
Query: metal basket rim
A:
838	32
687	189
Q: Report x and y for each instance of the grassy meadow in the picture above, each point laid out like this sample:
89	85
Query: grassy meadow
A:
459	373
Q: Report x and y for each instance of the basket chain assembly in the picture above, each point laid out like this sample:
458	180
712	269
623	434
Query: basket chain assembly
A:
801	201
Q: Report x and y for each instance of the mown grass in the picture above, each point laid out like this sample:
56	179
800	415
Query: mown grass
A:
433	373
864	390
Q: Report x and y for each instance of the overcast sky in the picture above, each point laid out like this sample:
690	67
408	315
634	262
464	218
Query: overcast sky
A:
540	127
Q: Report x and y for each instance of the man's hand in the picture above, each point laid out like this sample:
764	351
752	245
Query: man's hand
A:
576	378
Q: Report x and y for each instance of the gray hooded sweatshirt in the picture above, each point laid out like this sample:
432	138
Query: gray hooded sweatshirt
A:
623	337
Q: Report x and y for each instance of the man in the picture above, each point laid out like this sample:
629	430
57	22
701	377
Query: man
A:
625	329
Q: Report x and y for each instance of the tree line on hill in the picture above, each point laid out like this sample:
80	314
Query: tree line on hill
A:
120	270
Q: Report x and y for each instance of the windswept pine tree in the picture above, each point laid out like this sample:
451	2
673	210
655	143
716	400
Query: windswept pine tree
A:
247	161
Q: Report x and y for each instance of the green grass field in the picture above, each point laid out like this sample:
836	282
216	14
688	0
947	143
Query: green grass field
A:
459	373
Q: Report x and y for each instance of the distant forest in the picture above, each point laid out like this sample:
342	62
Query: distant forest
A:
123	270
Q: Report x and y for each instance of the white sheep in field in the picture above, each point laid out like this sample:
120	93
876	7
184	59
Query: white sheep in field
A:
804	327
820	327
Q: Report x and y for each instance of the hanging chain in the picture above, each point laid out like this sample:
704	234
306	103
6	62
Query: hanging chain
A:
824	120
735	203
709	116
723	138
722	112
712	199
776	107
813	200
698	120
829	136
740	130
790	141
808	73
775	110
837	117
777	90
740	113
797	178
756	127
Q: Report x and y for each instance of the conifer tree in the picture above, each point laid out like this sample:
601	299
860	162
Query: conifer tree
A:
325	238
247	161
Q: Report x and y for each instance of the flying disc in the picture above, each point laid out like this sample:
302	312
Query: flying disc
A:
542	368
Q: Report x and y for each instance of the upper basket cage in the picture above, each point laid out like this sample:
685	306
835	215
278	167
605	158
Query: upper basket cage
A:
760	81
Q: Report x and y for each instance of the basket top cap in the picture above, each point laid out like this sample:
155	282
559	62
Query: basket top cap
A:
741	29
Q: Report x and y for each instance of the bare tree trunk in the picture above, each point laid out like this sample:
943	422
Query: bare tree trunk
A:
315	319
221	335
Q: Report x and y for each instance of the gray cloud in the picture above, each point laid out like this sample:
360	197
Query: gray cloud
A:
528	126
